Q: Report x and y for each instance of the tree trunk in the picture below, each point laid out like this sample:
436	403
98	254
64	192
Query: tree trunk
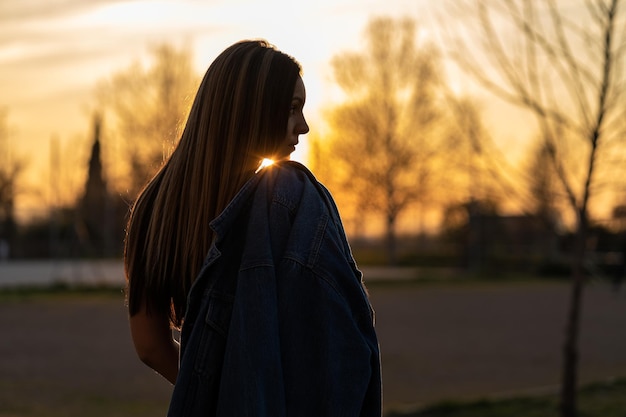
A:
569	383
391	240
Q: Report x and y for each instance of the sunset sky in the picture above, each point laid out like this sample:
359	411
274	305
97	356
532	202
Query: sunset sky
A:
54	52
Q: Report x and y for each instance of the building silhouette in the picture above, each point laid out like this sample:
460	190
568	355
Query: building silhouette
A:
98	224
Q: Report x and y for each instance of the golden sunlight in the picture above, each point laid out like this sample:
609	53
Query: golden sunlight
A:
127	15
264	164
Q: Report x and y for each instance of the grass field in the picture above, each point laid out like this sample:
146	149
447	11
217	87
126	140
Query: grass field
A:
595	400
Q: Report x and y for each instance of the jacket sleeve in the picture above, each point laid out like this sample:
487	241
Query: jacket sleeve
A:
297	343
252	378
329	352
252	381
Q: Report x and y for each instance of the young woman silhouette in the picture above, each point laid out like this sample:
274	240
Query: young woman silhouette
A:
250	262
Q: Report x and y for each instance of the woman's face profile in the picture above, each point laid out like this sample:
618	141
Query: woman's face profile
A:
296	124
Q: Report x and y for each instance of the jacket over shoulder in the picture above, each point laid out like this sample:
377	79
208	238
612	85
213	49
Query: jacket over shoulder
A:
278	321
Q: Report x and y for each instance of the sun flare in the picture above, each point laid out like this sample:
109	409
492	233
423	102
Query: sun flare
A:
264	164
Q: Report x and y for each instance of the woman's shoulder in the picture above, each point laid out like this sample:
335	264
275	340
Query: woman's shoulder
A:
289	175
292	182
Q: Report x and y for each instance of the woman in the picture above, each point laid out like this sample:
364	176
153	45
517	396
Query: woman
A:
252	262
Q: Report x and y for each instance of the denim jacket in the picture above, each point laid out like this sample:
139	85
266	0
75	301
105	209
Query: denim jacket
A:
278	322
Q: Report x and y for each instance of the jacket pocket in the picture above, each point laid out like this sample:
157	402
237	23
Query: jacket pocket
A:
196	394
212	338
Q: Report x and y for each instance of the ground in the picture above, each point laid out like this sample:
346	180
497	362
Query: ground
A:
62	355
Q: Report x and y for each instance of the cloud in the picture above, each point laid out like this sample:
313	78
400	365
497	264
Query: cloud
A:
29	10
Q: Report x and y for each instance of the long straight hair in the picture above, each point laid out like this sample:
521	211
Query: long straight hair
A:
239	116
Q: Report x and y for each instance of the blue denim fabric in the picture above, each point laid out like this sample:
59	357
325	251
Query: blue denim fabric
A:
279	323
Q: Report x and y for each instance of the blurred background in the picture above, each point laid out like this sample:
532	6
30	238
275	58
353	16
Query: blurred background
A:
462	140
450	133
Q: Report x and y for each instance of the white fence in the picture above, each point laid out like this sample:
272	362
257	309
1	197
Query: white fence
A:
71	272
40	273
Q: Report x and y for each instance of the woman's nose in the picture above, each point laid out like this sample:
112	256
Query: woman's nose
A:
303	127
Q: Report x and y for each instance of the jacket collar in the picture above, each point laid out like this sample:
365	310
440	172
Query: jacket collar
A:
222	223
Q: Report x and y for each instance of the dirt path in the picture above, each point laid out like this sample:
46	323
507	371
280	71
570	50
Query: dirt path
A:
68	353
437	343
488	340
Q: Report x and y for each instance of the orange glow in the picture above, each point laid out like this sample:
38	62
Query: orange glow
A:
264	164
49	73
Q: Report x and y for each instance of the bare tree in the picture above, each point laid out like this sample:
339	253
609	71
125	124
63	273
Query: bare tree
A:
382	138
564	63
618	216
474	159
10	170
545	198
149	107
478	166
